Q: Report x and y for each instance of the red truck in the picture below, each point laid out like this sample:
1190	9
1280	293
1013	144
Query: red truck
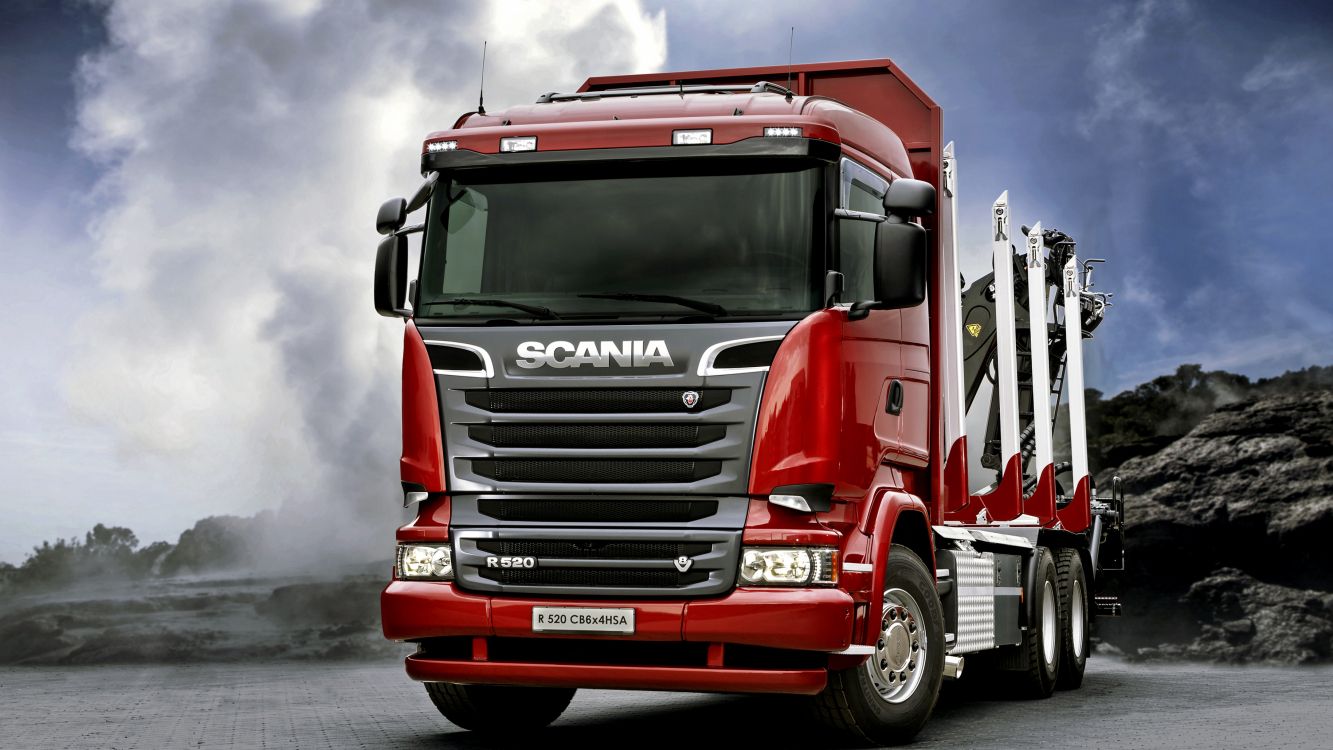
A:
686	369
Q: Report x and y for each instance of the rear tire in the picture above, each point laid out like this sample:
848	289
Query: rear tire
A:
873	702
497	709
1040	648
1075	635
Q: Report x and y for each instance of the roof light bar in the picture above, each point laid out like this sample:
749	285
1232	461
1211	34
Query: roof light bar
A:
782	132
518	143
437	146
691	137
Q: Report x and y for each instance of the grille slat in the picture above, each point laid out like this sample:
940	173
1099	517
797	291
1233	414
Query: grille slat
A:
594	577
594	550
608	511
583	435
583	471
594	400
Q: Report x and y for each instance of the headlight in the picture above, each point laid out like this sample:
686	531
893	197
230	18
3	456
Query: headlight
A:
789	566
434	562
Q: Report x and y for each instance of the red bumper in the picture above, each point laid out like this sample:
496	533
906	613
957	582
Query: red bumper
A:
796	619
605	677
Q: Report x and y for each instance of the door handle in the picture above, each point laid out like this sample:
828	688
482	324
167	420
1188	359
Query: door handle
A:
894	404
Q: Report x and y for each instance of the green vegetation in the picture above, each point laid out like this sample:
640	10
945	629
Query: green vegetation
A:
104	551
214	543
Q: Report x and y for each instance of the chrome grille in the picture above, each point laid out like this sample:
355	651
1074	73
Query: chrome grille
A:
570	439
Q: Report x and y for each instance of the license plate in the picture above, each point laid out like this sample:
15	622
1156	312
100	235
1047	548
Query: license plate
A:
583	620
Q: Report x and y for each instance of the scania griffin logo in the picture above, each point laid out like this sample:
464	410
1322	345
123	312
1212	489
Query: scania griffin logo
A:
534	354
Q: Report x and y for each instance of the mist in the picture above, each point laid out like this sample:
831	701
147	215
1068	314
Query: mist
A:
244	148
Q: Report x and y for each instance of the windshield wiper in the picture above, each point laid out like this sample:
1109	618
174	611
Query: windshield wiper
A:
535	310
695	304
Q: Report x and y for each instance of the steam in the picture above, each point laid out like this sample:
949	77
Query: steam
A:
246	147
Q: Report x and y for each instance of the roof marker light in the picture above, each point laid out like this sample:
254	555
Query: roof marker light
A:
438	146
518	143
691	137
782	132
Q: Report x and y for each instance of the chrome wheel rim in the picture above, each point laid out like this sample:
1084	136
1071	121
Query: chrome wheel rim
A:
899	661
1077	615
1049	633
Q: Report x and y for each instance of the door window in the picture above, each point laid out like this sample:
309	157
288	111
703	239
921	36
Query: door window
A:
861	190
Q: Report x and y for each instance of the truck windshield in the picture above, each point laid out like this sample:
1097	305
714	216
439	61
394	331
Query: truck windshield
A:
640	239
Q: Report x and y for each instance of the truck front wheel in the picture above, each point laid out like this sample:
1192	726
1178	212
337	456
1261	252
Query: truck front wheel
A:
499	709
888	699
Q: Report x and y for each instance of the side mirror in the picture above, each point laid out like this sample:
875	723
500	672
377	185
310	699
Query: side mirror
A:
909	198
391	276
900	264
899	268
392	215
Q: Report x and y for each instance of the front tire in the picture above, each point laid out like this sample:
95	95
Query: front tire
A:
1075	635
888	699
497	709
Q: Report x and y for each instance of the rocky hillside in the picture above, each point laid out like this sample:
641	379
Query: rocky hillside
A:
1228	537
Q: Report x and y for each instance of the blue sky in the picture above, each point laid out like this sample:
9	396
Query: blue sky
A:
161	365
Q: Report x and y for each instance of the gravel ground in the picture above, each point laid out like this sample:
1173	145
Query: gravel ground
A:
298	705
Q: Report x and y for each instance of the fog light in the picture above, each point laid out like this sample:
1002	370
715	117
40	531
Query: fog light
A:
438	146
518	143
782	132
432	562
789	566
691	137
795	502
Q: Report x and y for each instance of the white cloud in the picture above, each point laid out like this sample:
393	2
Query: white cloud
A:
246	147
1283	68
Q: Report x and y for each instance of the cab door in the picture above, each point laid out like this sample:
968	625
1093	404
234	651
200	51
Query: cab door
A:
874	382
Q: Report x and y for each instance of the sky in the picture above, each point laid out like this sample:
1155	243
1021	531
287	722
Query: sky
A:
186	191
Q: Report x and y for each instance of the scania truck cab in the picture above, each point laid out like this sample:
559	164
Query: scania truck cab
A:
683	397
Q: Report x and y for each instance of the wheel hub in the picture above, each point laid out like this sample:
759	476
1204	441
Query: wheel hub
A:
898	663
897	646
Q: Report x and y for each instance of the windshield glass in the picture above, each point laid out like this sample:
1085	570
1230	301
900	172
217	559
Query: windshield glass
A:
674	240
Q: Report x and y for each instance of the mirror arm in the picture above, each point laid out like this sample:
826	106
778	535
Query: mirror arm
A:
413	229
861	310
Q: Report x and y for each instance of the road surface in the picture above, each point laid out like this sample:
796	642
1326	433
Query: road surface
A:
297	705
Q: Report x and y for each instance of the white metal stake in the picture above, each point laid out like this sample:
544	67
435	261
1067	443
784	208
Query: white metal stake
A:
1078	446
951	304
1007	354
1038	333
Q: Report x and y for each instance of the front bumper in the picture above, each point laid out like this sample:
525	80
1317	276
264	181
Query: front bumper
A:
809	620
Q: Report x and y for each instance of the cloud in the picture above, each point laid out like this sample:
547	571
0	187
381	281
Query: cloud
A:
1136	108
1283	68
245	147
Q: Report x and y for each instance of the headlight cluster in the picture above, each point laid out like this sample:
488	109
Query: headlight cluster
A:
789	566
430	562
